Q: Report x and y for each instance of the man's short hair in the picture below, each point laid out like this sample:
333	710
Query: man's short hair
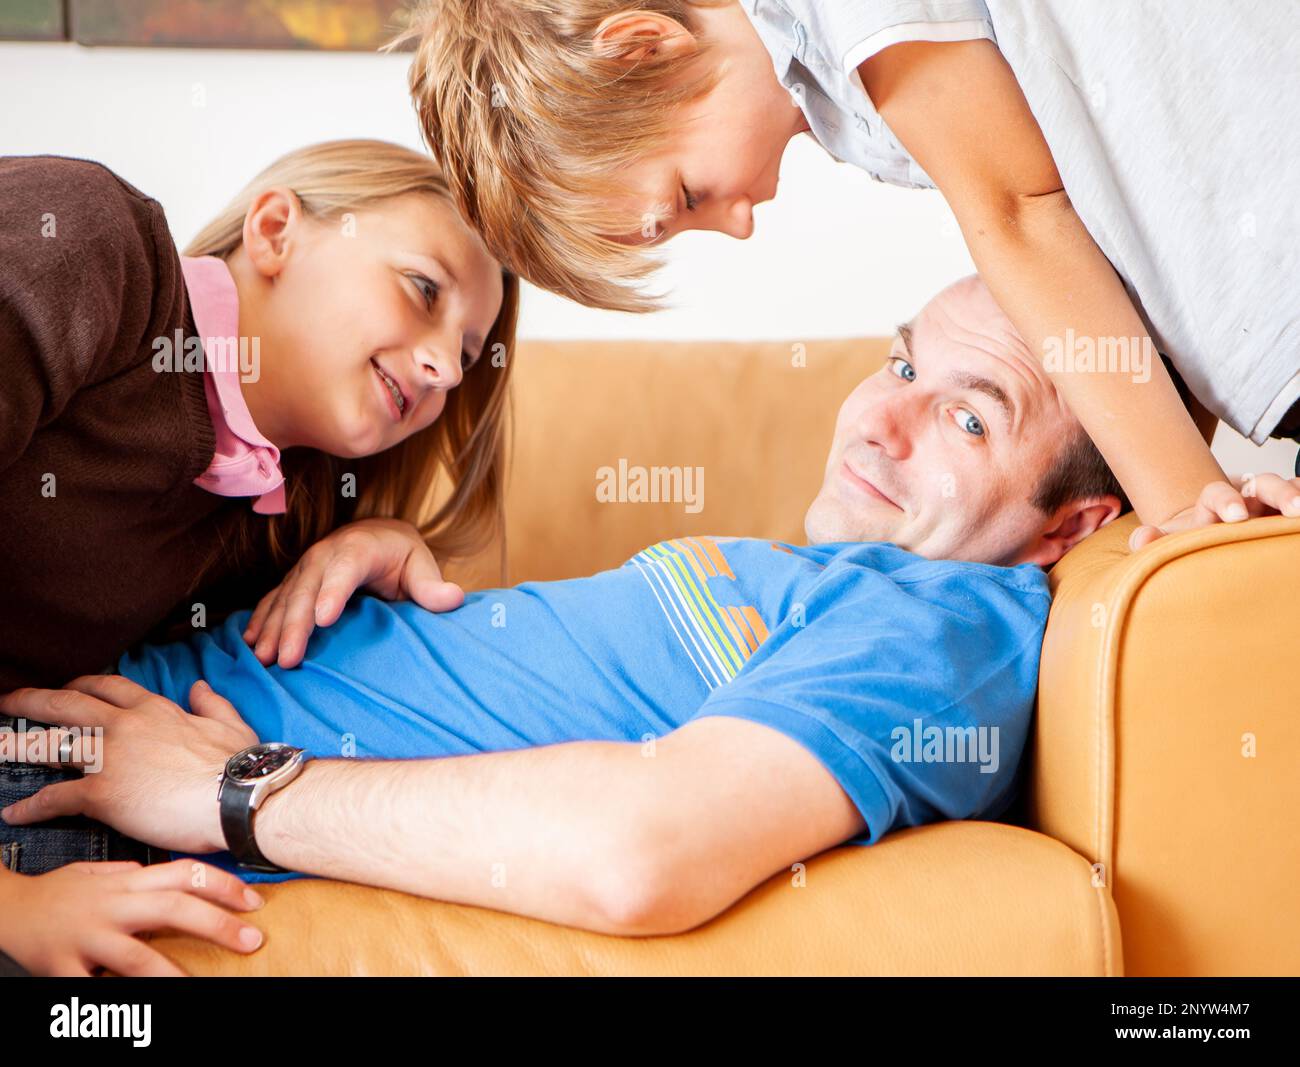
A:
532	124
1080	471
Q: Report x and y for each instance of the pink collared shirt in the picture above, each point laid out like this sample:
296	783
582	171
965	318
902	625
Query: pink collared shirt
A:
246	463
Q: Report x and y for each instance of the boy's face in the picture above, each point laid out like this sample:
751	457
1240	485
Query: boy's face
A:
725	156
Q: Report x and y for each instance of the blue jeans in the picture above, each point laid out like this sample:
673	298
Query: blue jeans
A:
45	846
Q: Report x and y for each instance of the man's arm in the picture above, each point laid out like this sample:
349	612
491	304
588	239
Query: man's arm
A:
529	832
616	837
733	802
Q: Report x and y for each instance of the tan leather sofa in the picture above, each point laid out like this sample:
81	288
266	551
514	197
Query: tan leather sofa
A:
1147	809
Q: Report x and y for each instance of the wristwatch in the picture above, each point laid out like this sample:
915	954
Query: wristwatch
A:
249	778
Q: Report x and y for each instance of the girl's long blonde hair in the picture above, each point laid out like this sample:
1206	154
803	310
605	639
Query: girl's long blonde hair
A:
466	443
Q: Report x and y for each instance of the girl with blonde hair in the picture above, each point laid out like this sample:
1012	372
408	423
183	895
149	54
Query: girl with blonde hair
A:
321	376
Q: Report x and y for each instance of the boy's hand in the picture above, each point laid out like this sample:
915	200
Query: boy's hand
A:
386	556
72	920
1250	496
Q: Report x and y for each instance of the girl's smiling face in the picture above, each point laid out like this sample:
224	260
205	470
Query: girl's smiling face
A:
364	322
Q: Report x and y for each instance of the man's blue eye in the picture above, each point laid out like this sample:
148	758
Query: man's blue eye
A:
909	375
971	423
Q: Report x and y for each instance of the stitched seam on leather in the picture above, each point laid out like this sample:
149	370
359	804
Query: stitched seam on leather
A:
1103	782
1107	949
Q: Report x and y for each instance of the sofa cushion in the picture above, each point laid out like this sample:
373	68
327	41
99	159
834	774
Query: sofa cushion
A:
961	898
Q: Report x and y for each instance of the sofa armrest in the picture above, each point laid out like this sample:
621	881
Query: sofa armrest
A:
958	898
1166	739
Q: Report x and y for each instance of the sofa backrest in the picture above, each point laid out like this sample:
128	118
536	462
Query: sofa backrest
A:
752	422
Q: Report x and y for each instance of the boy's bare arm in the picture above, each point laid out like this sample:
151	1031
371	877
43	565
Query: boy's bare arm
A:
1207	422
959	111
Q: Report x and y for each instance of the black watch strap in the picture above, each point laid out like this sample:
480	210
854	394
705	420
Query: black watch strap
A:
237	826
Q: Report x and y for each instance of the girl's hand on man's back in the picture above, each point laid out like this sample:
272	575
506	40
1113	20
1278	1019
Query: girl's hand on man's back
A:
386	557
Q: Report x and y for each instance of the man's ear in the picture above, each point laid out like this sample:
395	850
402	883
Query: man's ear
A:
268	225
633	36
1070	525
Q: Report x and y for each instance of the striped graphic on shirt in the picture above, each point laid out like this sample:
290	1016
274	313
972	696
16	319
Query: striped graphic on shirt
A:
717	638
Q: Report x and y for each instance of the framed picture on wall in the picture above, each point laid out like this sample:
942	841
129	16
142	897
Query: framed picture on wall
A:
338	25
33	20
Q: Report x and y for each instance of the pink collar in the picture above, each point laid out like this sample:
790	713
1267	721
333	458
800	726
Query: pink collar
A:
245	463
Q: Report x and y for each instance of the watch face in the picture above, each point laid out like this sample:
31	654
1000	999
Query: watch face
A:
259	762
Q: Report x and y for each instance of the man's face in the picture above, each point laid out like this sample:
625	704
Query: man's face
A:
941	450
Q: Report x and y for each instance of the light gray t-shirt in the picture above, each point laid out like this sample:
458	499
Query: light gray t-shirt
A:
1175	127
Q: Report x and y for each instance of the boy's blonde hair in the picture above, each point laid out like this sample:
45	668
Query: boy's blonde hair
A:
467	441
532	123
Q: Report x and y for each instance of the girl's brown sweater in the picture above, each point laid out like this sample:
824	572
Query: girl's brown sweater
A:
102	531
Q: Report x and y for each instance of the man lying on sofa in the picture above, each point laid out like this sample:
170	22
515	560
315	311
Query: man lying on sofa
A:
633	751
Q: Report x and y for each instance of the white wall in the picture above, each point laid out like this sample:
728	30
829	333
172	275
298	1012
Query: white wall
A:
835	255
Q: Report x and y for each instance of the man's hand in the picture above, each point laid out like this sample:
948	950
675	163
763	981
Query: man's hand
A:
386	556
84	916
1246	497
160	768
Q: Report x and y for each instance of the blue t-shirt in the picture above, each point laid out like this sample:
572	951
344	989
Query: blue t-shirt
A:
912	680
